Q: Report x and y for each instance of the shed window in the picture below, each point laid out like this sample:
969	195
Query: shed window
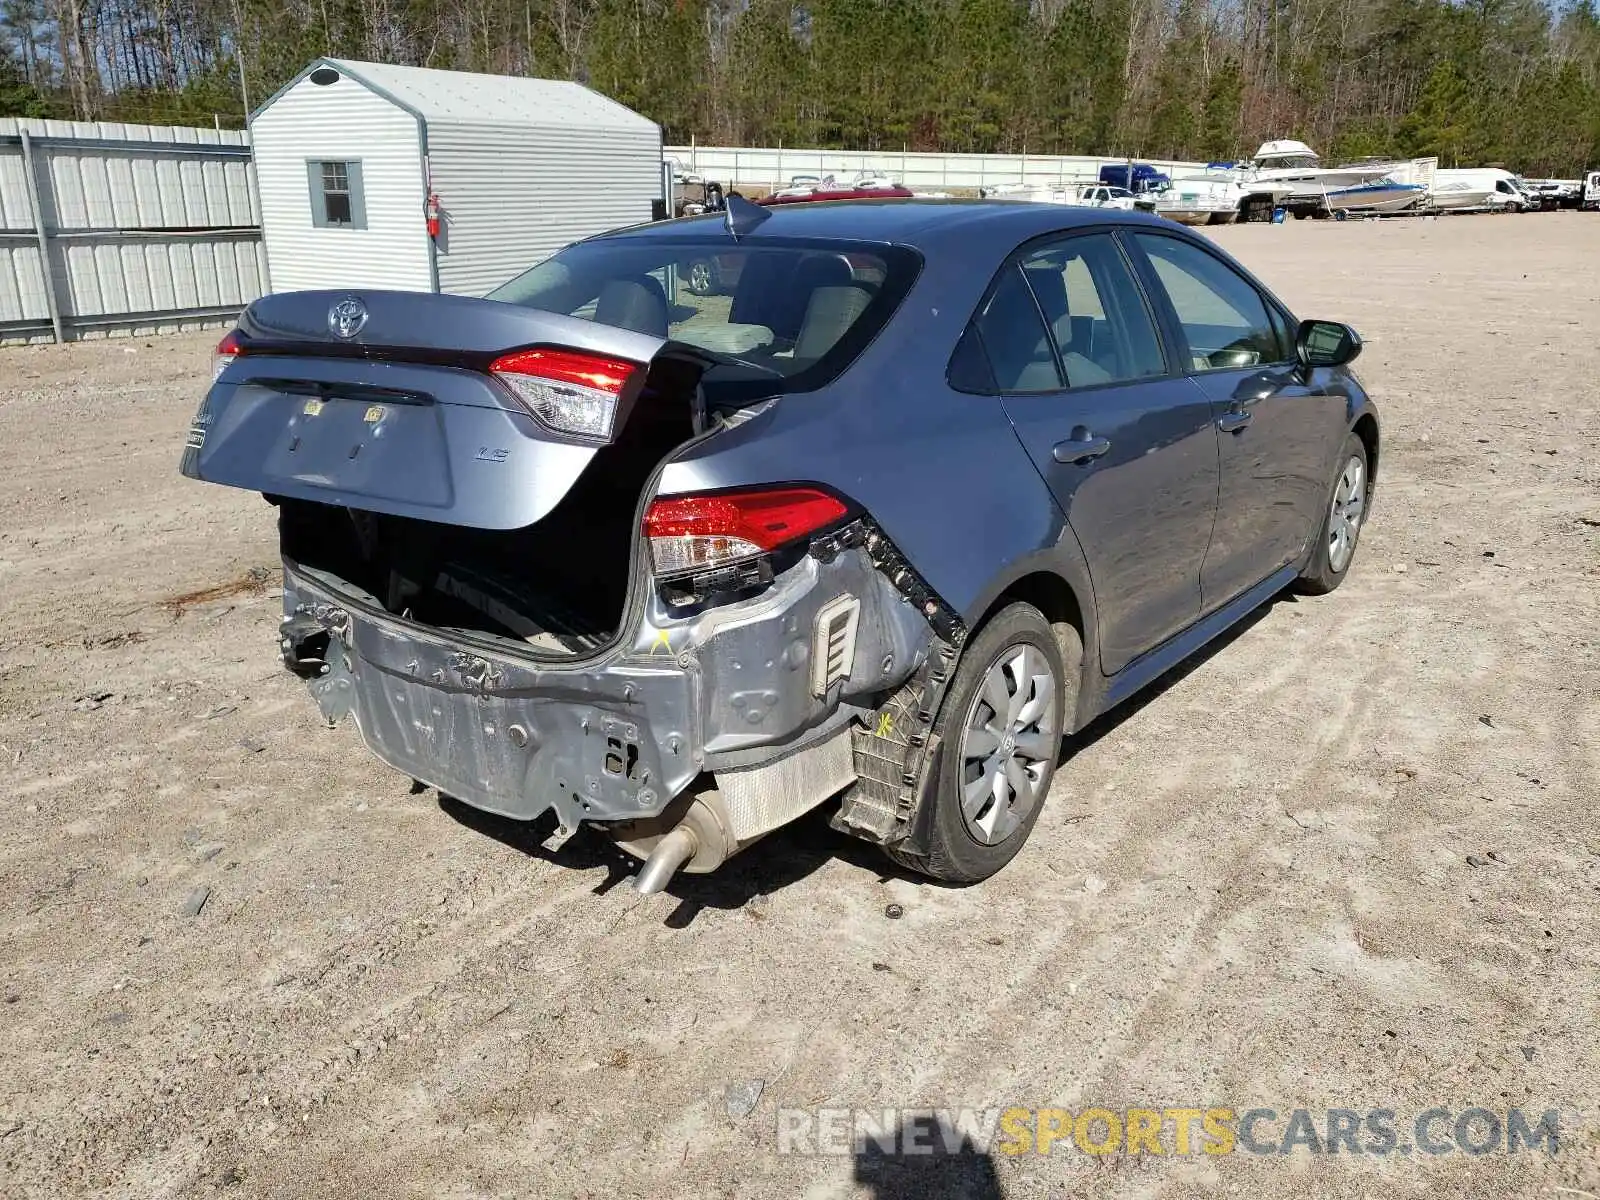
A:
336	196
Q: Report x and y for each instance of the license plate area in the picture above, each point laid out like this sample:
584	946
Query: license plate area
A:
365	441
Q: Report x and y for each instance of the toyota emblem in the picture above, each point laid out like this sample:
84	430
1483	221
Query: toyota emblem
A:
347	317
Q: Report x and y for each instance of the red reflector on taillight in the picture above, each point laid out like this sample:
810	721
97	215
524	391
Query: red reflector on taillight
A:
569	390
695	532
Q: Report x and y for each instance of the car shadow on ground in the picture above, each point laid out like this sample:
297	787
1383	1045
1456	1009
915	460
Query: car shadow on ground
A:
791	853
1107	721
783	857
929	1161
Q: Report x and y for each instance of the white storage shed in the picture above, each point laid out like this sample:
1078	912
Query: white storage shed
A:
421	180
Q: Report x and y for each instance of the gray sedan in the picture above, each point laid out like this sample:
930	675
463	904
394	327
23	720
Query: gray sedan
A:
928	486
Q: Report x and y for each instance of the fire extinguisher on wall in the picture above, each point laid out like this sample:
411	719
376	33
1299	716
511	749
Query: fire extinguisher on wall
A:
433	215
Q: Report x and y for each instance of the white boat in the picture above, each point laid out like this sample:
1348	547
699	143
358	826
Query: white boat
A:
1219	196
804	185
1461	188
1378	196
1299	166
1458	190
1039	193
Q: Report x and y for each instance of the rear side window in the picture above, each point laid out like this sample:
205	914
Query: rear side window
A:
969	365
802	311
1095	312
1021	357
1223	316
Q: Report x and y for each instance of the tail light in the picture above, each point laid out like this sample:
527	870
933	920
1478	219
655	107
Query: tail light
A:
570	391
228	349
693	533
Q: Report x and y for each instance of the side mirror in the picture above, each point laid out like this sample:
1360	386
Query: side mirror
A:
1326	343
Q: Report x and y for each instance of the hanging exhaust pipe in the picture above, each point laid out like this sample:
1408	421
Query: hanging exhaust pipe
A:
671	852
691	835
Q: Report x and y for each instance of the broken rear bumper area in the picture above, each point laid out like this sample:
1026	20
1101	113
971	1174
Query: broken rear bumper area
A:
745	690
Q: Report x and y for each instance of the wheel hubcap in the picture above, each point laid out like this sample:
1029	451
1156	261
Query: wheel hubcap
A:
1006	749
700	277
1344	519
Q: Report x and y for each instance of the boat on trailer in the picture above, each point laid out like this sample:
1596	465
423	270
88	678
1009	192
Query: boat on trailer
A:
1220	195
1301	167
1378	196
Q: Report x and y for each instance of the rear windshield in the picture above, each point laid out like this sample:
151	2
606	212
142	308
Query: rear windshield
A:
801	310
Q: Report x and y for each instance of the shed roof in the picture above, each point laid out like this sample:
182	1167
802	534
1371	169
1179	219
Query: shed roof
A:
504	100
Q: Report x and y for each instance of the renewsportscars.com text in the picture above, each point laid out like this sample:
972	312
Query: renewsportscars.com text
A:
1174	1131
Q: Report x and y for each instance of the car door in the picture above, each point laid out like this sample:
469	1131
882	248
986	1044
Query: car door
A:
1275	420
1126	444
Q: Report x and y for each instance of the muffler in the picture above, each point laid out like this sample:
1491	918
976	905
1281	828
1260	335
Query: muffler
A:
692	834
701	830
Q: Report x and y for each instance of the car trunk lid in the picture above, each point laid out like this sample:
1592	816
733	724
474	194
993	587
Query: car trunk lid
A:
442	408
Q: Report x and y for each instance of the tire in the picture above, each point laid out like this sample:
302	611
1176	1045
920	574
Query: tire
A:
1352	485
962	849
701	277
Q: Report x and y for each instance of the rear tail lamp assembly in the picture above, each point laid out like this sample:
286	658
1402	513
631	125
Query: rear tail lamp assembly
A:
571	391
710	532
228	349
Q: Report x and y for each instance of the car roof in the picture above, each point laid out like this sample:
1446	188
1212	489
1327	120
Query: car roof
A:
923	224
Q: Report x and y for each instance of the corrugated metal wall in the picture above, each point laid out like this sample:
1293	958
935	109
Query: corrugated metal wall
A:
145	227
773	166
514	196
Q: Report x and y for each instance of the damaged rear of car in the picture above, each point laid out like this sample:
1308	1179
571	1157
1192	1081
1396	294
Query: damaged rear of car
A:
482	570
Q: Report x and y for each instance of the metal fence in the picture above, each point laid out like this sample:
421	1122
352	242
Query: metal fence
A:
109	227
771	167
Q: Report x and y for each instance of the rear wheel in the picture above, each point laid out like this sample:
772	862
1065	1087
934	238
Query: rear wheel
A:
1000	735
1341	527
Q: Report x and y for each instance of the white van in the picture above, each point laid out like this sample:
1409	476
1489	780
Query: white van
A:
1591	190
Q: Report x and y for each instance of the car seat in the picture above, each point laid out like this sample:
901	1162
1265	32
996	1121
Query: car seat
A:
1074	334
829	315
775	290
636	302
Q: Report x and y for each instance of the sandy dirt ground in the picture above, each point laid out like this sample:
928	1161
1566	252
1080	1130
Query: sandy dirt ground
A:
1351	858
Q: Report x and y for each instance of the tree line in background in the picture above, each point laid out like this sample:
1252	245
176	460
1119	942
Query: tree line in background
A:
1472	81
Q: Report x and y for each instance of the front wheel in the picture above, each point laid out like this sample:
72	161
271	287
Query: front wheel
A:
702	279
999	735
1347	510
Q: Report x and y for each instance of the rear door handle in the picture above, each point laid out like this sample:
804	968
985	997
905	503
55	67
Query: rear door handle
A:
1080	450
1234	420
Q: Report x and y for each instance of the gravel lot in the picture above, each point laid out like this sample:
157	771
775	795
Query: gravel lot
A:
1253	888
